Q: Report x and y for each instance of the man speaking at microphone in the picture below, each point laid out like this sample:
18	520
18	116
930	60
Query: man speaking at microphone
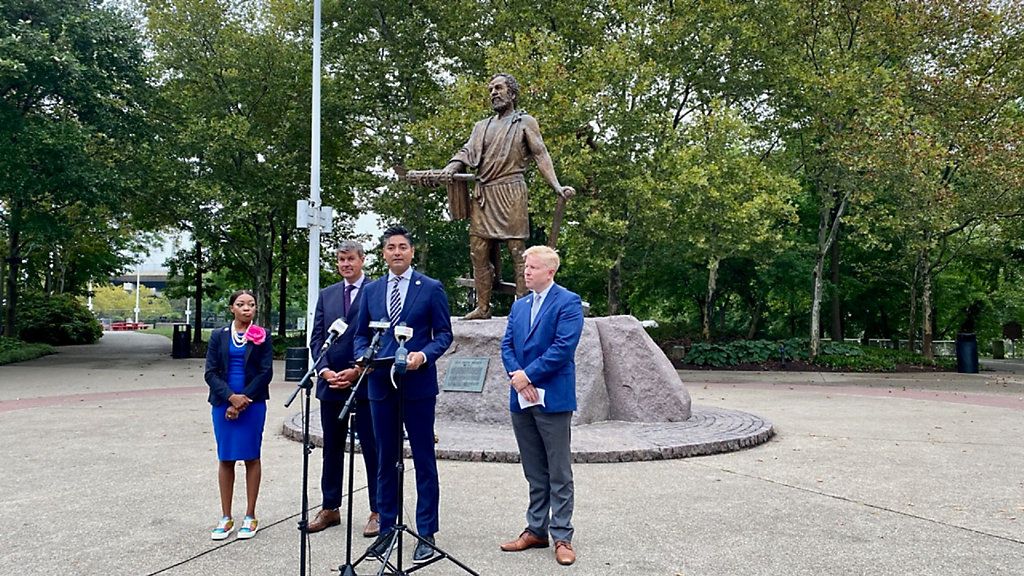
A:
418	303
340	301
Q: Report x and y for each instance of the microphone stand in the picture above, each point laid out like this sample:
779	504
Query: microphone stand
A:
349	568
400	526
305	384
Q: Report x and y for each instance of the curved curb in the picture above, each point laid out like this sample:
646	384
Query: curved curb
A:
708	431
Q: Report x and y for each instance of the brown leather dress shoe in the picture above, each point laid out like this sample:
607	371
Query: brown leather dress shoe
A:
525	541
564	553
372	526
324	519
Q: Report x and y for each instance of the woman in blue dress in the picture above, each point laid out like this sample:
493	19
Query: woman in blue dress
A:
239	367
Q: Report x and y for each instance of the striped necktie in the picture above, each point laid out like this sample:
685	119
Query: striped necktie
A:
395	301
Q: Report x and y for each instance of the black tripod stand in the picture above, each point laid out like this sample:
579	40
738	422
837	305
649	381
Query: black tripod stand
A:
307	447
400	528
369	363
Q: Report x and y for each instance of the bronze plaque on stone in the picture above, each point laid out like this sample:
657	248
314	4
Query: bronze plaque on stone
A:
466	375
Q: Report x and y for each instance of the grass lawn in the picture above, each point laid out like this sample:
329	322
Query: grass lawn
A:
167	331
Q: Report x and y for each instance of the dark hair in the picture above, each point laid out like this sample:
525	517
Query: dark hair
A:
510	81
396	230
234	296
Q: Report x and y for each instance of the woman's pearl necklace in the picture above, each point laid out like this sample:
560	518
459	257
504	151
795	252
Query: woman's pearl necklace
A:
238	339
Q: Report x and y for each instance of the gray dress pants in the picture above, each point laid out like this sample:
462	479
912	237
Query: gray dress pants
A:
544	440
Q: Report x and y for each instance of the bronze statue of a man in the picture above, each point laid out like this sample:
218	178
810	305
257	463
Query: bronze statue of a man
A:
499	149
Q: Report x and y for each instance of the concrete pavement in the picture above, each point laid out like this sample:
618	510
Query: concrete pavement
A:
107	466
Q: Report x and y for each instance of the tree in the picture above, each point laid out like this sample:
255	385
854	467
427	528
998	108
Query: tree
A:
72	96
234	122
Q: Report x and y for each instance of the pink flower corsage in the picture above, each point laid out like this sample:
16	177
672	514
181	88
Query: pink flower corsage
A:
255	334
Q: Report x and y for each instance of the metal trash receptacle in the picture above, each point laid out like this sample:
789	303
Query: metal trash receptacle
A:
967	353
296	362
181	341
998	349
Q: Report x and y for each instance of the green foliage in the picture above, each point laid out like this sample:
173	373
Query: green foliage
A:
834	355
73	93
281	345
116	303
13	350
57	320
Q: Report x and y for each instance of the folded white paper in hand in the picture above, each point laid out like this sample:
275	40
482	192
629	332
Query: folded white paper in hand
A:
524	403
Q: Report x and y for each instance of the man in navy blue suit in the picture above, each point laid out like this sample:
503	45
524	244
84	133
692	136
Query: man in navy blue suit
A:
405	297
337	375
538	351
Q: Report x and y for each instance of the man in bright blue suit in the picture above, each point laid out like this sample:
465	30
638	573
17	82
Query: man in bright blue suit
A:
538	351
405	297
337	375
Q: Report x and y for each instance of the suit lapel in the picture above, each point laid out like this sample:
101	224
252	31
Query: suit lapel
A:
553	294
415	284
353	308
225	343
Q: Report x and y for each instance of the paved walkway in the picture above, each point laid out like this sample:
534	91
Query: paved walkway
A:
108	467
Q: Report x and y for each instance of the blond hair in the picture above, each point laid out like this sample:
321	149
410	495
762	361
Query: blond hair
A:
545	254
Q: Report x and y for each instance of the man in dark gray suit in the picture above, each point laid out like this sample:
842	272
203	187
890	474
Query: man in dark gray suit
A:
337	375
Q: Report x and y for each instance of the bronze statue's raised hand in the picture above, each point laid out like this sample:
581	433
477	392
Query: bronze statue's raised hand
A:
567	192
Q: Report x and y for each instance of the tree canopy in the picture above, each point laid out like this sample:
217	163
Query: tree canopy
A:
743	168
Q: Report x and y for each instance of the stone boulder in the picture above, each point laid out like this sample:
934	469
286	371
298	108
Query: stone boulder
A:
621	374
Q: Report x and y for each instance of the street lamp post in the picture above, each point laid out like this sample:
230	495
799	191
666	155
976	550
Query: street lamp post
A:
138	286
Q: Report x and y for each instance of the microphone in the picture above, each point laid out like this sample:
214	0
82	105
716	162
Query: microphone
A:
378	327
337	328
402	334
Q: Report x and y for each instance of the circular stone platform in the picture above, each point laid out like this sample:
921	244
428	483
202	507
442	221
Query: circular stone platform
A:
707	431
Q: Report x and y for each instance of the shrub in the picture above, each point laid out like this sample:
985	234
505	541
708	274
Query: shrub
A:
12	350
56	320
840	356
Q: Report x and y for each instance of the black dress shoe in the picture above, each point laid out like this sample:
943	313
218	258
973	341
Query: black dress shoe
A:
423	551
380	546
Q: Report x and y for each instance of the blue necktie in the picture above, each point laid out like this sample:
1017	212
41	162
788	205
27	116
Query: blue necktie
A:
535	308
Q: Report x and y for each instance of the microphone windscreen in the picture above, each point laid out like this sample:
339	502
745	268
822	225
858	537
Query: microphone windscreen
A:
339	326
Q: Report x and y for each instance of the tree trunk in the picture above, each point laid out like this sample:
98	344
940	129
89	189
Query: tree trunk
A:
926	314
912	321
837	305
816	307
197	286
755	319
282	299
829	218
615	288
710	299
13	268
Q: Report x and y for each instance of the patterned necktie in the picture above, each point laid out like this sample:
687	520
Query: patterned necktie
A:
535	308
347	302
395	302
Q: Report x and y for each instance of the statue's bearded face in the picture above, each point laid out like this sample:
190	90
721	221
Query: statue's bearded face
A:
501	96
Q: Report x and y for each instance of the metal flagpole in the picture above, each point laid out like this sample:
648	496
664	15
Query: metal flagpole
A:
313	282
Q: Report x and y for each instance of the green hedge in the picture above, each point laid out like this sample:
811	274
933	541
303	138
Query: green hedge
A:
834	355
56	320
12	350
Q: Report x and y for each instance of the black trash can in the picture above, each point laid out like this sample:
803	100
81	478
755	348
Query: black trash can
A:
967	353
296	362
181	341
